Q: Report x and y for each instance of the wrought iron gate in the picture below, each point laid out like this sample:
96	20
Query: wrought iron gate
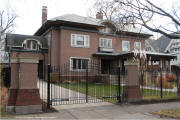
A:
68	85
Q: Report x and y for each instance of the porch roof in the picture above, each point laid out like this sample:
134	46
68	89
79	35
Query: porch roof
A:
154	55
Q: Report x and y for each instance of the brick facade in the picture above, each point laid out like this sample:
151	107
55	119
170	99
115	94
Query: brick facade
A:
61	49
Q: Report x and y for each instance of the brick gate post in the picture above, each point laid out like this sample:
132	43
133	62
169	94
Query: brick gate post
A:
132	88
24	95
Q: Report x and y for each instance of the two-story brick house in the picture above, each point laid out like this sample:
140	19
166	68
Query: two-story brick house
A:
76	39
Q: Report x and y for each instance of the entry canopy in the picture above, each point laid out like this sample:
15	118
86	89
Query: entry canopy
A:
154	56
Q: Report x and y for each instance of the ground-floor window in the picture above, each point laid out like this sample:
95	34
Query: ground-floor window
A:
79	64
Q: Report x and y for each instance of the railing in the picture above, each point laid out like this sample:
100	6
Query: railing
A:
160	84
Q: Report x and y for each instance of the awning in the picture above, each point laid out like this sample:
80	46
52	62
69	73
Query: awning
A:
150	55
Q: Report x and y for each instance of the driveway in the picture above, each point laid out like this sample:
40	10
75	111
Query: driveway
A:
61	95
104	111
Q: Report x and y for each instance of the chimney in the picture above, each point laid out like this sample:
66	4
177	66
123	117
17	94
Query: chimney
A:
99	15
44	14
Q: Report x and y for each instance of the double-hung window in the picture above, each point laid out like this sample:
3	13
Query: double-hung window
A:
32	45
105	43
79	64
125	45
137	46
78	40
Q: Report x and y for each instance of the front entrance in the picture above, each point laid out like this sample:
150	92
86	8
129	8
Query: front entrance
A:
105	65
40	69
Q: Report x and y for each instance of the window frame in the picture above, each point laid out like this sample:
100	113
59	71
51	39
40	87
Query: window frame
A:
139	46
81	58
129	48
86	39
103	40
31	45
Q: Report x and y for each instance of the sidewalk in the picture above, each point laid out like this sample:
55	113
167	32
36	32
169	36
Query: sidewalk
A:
103	111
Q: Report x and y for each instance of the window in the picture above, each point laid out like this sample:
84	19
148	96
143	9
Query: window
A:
105	43
78	40
125	46
31	44
79	64
137	46
176	49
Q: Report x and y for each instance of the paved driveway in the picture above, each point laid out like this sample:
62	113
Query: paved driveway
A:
62	95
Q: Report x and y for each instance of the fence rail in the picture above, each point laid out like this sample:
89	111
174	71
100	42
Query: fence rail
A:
160	84
66	85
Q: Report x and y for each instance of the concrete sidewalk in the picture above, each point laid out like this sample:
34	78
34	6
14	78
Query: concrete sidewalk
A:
103	111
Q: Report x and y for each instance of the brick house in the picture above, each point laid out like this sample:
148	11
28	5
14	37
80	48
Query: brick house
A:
76	40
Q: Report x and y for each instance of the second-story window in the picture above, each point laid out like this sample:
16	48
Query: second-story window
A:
105	43
137	46
125	45
78	40
31	44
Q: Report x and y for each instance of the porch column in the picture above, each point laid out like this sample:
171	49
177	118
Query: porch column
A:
169	65
160	63
151	65
132	88
26	98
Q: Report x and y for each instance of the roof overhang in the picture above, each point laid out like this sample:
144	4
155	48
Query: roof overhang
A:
56	23
150	55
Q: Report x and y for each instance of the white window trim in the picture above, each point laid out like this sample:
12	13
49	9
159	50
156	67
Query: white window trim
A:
25	41
82	70
108	39
32	40
129	45
86	42
135	44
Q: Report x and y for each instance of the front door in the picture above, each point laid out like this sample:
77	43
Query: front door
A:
40	69
105	66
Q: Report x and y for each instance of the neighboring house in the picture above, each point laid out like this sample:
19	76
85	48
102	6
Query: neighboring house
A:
167	45
78	40
27	46
148	46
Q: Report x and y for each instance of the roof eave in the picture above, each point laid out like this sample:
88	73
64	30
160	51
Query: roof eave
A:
56	22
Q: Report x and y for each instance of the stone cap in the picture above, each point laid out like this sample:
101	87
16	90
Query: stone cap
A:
24	60
131	63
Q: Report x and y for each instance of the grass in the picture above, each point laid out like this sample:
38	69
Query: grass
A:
97	90
101	90
172	113
156	94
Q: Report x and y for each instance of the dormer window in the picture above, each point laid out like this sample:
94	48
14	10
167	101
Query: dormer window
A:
31	44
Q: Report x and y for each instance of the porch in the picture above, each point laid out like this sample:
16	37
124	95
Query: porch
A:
153	60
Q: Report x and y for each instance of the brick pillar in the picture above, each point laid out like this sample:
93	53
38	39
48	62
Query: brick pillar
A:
24	95
132	88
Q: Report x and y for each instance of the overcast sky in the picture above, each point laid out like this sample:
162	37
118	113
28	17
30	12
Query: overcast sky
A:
29	11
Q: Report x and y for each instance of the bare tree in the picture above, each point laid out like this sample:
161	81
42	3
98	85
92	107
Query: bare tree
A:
144	13
7	21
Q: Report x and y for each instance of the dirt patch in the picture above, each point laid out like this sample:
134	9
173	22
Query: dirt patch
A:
173	113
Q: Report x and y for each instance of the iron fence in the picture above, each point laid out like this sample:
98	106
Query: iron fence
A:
67	85
160	84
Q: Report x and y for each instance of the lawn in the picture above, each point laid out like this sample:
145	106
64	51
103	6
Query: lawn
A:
156	94
105	91
173	113
98	90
